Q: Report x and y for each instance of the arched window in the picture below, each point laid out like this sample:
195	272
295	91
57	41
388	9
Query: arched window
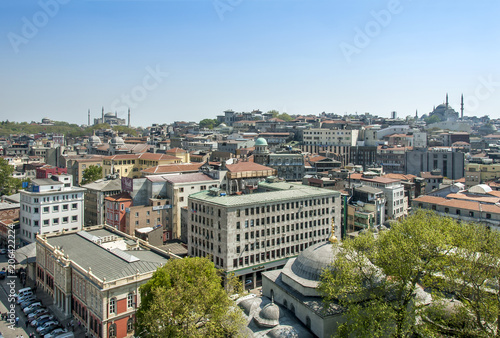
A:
112	305
285	303
292	308
272	294
130	325
112	331
308	322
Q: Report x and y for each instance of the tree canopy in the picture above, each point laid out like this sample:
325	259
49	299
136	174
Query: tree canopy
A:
185	298
380	280
209	123
91	174
8	184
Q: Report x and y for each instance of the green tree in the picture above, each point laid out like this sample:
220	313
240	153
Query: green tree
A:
285	117
125	130
8	184
274	113
376	278
208	123
185	298
91	174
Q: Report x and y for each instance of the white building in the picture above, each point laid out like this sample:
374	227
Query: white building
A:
50	205
396	203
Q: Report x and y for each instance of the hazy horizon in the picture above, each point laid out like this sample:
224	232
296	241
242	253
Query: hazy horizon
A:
189	60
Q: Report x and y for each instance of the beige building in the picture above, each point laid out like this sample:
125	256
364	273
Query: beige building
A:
131	165
154	215
251	233
478	173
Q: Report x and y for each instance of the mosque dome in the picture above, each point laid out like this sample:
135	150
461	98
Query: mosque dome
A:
283	331
94	139
117	141
269	315
260	141
109	115
248	305
312	261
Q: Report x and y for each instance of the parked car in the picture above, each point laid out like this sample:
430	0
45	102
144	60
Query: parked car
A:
36	321
23	297
54	333
43	321
32	306
3	274
37	313
28	301
49	324
3	251
48	329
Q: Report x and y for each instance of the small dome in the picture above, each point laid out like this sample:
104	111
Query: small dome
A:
269	315
247	305
311	263
260	141
94	139
117	140
109	115
284	331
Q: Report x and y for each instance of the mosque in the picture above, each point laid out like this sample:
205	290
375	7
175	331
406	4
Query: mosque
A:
446	113
291	305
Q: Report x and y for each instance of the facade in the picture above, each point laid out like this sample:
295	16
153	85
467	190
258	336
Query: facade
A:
154	215
248	234
476	173
432	179
116	206
131	165
396	205
365	156
94	199
50	205
366	210
393	159
289	166
449	162
94	277
77	164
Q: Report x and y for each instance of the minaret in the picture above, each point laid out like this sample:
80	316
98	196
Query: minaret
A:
446	100
416	114
462	108
102	119
129	117
89	118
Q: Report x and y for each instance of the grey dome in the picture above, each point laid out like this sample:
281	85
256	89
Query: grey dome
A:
269	315
312	261
117	140
284	331
247	305
94	139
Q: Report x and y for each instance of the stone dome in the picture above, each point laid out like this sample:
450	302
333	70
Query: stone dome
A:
260	141
248	305
109	115
94	139
269	315
312	261
117	140
284	331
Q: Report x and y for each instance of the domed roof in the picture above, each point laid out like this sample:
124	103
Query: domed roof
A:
109	115
312	261
284	331
94	139
117	140
247	305
260	141
269	315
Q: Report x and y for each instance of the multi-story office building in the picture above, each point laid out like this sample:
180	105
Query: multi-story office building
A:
288	165
248	234
50	205
338	141
94	199
446	159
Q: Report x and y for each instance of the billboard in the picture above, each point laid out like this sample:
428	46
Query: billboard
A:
127	184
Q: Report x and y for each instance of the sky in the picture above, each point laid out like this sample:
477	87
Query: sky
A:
186	60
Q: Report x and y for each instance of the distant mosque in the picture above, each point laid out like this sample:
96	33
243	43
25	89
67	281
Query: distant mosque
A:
446	113
110	118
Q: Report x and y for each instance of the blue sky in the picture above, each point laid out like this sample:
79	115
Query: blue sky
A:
172	60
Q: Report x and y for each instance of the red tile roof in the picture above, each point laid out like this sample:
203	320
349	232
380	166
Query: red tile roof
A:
173	168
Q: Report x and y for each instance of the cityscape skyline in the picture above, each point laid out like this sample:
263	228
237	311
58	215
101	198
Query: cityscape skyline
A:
190	60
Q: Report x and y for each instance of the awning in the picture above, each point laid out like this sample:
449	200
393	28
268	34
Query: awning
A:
26	254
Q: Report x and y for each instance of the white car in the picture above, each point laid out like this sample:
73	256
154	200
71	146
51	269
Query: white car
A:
31	307
46	324
55	333
38	312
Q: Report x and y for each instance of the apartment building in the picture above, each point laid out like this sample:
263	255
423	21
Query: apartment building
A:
50	205
251	233
396	205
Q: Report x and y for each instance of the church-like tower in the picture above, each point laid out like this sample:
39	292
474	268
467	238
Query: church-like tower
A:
261	153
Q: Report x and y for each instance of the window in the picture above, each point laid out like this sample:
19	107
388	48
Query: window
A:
55	221
112	306
65	220
130	300
45	222
112	331
55	208
45	210
181	189
130	325
122	206
74	206
65	207
181	199
74	218
35	210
